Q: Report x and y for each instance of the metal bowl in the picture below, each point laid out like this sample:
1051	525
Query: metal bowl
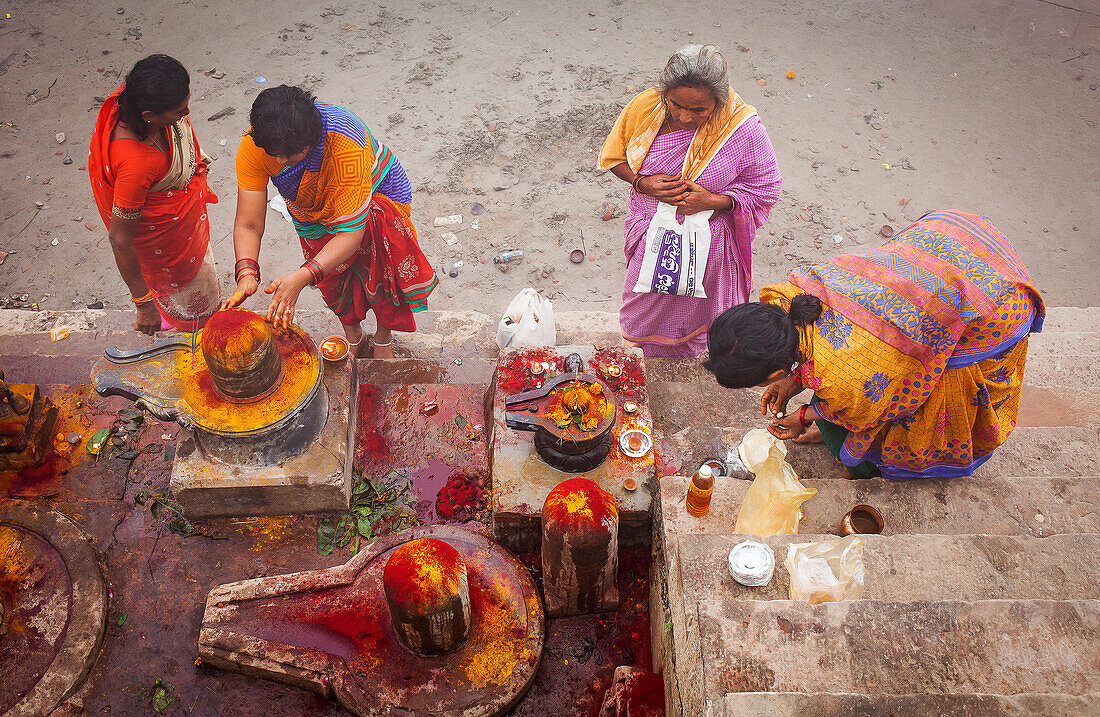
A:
635	443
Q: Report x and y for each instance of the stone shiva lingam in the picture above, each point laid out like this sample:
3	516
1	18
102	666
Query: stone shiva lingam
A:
436	620
266	425
571	416
569	411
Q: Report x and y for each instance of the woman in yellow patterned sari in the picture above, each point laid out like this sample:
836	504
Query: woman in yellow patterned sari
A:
915	353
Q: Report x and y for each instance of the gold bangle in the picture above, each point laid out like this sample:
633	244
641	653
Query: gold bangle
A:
138	301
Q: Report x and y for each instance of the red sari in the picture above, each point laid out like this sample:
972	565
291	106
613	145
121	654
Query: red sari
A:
172	238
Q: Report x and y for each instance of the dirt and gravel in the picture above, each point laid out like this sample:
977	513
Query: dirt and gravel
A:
497	111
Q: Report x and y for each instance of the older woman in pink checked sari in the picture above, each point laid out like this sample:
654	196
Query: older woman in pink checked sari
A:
691	142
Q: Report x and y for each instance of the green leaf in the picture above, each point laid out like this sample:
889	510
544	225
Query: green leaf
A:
326	536
460	421
355	546
180	526
365	527
96	442
121	619
364	510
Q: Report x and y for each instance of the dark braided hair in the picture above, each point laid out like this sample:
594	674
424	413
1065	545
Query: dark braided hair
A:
157	84
285	121
749	342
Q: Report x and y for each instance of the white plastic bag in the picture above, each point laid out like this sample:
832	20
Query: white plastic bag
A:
529	321
675	254
279	204
773	503
827	571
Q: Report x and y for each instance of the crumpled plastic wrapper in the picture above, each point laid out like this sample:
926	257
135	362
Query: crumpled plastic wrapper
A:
773	503
827	571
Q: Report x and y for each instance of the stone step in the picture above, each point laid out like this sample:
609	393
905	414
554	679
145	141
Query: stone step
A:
1031	450
875	647
831	704
906	568
1028	505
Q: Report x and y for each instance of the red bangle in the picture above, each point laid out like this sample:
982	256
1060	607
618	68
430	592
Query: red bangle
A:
246	266
315	270
802	416
637	181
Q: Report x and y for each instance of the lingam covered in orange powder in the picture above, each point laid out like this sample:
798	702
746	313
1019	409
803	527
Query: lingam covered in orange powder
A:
423	576
233	336
580	502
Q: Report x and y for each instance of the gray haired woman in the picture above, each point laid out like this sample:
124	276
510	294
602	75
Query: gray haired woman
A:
691	142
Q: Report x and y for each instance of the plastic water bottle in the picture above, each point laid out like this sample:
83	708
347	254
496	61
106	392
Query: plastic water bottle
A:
507	256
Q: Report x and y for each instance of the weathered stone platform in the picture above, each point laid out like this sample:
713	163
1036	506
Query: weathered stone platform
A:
314	481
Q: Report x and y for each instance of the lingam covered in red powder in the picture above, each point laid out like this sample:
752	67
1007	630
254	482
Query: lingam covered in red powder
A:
428	593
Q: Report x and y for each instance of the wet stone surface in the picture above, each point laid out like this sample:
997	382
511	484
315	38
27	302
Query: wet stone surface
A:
159	579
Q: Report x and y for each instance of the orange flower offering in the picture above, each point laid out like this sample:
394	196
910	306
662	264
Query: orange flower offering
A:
580	404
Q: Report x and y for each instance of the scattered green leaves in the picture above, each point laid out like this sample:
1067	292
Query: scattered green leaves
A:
164	695
161	505
96	442
378	507
121	619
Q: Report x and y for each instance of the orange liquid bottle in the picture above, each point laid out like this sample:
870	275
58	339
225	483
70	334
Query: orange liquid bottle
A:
698	497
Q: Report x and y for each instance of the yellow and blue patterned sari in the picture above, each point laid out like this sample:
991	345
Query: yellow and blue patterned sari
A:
919	353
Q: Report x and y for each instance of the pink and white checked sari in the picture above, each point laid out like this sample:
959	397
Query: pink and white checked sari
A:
744	169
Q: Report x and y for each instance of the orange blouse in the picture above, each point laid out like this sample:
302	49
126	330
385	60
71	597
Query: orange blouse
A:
137	168
254	166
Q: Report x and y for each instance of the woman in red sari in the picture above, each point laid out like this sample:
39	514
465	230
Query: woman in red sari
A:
149	180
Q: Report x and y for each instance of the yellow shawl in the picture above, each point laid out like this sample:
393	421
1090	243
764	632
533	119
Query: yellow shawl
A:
642	118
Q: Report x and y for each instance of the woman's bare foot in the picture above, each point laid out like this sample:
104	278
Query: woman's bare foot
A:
812	435
382	352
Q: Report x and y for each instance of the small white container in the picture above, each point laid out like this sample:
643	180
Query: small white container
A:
752	563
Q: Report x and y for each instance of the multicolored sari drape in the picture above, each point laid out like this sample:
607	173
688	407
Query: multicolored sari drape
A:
329	191
389	275
174	232
921	347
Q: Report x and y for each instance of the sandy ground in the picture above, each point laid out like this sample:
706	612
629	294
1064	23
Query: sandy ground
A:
988	106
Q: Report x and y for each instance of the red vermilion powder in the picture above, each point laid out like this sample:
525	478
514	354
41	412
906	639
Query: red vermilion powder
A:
423	575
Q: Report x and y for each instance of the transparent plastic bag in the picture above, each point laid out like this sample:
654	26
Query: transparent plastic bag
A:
773	503
827	571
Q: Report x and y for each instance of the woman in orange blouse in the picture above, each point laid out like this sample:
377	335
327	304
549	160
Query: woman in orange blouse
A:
149	180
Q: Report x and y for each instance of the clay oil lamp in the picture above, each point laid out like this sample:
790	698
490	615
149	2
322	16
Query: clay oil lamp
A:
630	407
335	348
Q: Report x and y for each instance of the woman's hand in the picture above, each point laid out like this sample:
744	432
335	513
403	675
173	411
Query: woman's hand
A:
246	287
777	395
285	291
787	427
697	199
148	318
664	187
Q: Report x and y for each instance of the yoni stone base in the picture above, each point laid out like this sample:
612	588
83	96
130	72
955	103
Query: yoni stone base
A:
315	481
522	480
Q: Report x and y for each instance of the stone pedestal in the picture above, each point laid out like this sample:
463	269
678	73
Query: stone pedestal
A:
580	549
428	593
314	481
53	605
522	480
